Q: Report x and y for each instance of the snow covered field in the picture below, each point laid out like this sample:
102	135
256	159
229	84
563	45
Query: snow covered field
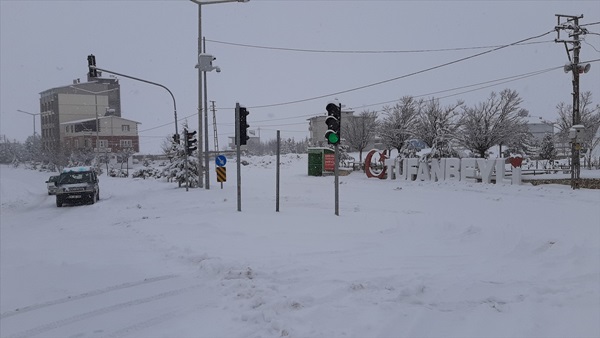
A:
403	259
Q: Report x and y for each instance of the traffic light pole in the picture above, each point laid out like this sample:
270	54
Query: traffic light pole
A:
337	180
145	81
333	136
187	169
238	156
277	174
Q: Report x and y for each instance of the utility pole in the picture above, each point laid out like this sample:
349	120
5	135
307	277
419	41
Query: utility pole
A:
574	31
214	110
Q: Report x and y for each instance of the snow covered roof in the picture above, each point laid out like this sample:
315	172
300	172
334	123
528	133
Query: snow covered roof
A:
77	169
99	118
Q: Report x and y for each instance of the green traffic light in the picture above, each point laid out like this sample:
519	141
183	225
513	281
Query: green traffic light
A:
333	138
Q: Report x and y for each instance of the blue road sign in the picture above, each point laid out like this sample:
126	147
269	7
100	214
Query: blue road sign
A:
220	160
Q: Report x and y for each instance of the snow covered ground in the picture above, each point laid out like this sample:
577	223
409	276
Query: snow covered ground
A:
403	259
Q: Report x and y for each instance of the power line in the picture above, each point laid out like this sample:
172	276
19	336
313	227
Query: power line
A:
590	24
402	76
366	51
488	84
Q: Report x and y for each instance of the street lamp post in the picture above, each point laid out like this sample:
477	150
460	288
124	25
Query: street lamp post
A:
200	3
32	115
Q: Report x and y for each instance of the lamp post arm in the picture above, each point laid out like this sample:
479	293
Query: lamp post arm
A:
201	3
149	82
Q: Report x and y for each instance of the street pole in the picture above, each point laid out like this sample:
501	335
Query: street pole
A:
238	156
97	128
200	131
33	116
200	140
278	171
206	152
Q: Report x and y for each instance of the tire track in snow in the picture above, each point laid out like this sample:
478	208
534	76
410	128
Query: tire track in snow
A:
86	315
152	322
84	295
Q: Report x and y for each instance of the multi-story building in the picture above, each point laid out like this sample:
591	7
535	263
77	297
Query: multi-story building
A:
317	127
114	134
73	112
539	127
253	138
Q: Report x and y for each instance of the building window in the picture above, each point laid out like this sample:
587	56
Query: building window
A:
87	143
125	127
126	144
103	144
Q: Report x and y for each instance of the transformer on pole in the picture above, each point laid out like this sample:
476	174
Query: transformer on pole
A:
574	31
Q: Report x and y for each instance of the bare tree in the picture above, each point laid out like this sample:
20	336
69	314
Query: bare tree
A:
399	122
590	119
437	127
359	131
496	121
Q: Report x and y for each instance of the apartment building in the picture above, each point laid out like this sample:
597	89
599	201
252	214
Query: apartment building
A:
77	107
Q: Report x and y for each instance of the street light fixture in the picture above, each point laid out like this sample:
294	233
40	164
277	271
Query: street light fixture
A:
200	3
32	115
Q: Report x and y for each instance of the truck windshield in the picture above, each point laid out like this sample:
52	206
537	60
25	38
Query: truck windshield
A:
74	178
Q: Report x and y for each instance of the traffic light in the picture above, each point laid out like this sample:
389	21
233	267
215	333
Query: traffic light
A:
243	126
176	138
334	122
92	72
189	141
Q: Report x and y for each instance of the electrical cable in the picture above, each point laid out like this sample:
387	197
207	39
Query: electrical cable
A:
402	76
364	51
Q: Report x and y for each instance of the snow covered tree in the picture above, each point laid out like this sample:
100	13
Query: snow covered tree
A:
437	127
547	148
496	121
590	118
10	152
32	150
359	131
398	123
175	170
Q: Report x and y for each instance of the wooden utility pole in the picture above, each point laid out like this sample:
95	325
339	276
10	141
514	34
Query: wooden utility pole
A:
574	31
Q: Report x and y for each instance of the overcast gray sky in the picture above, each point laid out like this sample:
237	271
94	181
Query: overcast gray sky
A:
287	56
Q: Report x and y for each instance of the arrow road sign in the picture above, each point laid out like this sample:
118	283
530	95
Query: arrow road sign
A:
220	160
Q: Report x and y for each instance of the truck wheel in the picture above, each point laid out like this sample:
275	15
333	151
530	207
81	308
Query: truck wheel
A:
93	198
59	202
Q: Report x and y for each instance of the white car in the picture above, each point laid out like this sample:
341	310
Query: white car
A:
51	184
